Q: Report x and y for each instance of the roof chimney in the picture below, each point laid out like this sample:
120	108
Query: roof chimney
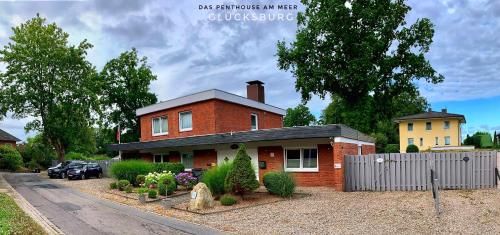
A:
255	91
429	110
444	110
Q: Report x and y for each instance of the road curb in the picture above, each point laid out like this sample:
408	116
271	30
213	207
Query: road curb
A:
38	217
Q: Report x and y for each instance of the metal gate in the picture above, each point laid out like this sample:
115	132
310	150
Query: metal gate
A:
411	171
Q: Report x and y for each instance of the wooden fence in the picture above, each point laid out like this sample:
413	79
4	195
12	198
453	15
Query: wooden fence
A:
105	165
411	171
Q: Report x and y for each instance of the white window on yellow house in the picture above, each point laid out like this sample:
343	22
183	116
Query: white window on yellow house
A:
446	140
410	141
428	126
421	141
437	140
446	125
410	126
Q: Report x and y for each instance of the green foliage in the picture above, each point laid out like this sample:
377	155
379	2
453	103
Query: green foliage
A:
142	190
126	82
279	183
122	184
392	148
140	179
171	187
152	193
50	80
128	189
37	149
496	140
10	158
113	185
479	140
215	177
129	170
162	189
75	156
104	137
175	168
241	177
298	116
412	149
227	200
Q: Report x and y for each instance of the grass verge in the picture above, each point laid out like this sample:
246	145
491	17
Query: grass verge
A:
13	220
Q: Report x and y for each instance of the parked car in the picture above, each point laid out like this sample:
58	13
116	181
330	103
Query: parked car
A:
61	169
85	171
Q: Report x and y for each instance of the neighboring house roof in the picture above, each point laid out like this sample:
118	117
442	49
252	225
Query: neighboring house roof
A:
287	133
207	95
431	115
4	136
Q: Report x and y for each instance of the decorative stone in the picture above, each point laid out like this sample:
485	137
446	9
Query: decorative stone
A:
201	197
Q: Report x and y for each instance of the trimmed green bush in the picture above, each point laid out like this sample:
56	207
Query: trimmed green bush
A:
142	190
241	178
128	189
175	168
152	193
140	179
279	183
412	149
122	184
227	200
10	158
215	177
162	189
392	148
129	170
113	185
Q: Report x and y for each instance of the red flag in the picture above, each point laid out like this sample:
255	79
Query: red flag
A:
118	133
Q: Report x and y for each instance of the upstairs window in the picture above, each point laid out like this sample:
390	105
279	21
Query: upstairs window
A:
160	126
185	121
305	159
410	126
446	125
428	126
254	121
447	140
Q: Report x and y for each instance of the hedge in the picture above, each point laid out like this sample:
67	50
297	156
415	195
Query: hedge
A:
175	168
10	158
130	169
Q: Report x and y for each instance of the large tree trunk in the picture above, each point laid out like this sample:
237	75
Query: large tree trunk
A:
60	152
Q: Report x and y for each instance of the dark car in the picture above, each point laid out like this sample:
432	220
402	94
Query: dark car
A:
61	170
85	171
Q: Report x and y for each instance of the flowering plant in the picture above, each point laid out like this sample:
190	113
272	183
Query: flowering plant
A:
152	179
186	179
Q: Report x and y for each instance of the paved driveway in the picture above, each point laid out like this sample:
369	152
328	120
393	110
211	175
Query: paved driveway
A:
78	213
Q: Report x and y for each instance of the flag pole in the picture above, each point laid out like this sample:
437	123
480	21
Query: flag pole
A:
119	135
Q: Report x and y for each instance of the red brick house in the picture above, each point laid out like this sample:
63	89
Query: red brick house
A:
6	138
203	129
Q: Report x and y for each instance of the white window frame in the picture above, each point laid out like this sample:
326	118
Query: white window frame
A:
182	161
449	140
162	155
412	140
162	132
446	127
301	169
408	126
180	121
421	141
437	141
426	126
360	149
256	121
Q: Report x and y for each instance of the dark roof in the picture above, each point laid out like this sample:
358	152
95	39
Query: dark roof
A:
431	115
7	137
288	133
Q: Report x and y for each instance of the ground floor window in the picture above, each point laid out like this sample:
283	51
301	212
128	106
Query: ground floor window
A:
187	160
447	140
301	159
158	158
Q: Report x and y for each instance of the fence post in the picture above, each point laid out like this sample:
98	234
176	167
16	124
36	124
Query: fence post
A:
498	167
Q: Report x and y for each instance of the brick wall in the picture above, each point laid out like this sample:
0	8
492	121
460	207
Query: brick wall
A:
204	158
12	143
368	149
272	163
340	150
209	117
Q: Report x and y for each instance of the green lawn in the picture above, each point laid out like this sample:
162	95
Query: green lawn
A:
13	220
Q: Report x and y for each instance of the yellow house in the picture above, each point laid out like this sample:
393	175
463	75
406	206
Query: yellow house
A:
430	129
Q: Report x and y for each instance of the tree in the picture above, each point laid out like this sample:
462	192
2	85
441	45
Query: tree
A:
127	79
299	116
50	80
364	55
37	150
241	178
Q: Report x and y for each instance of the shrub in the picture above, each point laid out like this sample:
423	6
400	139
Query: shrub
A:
128	189
75	156
279	183
10	158
215	177
122	184
154	178
140	179
113	185
142	190
129	170
412	148
227	200
186	179
392	148
175	168
241	178
162	189
171	187
152	193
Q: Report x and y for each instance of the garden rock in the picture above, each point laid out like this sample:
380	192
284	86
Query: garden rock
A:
201	197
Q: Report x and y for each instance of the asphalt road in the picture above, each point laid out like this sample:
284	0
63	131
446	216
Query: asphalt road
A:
75	212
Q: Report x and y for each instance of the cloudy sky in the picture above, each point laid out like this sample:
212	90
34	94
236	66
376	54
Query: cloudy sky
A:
189	51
